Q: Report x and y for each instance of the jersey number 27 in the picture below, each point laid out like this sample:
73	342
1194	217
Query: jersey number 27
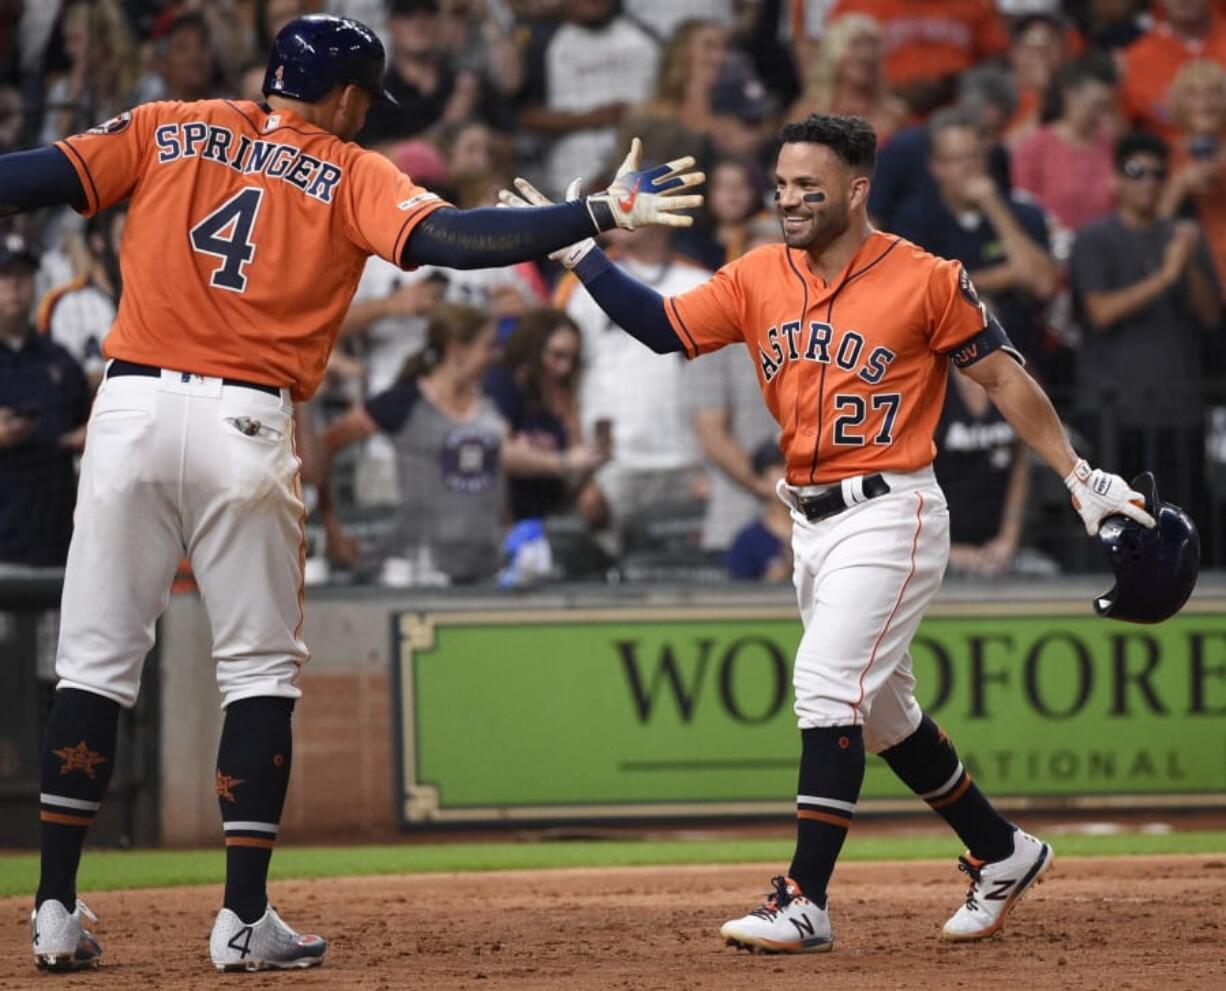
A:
853	411
226	234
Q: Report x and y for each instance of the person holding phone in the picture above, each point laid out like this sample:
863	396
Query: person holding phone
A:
44	401
1197	184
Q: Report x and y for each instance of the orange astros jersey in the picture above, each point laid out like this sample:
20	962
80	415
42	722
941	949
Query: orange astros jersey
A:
853	371
247	234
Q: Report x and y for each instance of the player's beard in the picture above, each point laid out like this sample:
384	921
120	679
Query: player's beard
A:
826	224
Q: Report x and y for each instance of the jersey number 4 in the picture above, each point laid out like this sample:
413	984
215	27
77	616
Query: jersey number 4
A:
853	411
226	234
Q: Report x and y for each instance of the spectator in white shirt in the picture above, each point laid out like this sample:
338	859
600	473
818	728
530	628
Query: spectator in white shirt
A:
580	82
655	454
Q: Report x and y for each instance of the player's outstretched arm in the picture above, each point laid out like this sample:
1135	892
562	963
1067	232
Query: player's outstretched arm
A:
1096	494
489	238
31	180
636	308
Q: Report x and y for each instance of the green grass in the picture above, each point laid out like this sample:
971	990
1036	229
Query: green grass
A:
108	870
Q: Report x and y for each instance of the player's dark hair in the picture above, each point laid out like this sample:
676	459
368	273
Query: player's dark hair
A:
523	353
1139	143
852	139
448	323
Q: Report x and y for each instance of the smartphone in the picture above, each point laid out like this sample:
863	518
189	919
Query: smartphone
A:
604	434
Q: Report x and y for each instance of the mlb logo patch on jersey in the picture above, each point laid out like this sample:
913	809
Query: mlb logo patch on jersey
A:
412	201
272	123
113	126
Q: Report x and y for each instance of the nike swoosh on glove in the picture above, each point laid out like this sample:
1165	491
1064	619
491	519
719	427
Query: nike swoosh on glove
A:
1098	494
529	195
640	197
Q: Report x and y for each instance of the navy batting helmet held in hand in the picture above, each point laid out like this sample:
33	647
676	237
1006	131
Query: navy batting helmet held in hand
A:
1155	570
313	55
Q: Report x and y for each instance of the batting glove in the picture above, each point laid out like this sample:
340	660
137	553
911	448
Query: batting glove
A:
529	195
1098	494
640	197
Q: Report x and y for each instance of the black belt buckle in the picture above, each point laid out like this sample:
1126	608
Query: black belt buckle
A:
831	502
819	507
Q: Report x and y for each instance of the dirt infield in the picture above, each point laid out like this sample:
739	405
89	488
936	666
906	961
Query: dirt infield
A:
1096	923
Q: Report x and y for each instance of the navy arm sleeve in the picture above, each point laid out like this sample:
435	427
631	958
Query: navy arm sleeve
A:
30	180
636	308
390	409
491	237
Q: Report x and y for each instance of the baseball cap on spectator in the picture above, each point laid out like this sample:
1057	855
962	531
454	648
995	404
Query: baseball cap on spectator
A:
739	93
766	455
15	250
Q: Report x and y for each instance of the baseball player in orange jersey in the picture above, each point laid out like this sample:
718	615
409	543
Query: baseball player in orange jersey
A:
248	230
851	331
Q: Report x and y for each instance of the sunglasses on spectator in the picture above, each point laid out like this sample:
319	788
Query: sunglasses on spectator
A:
1135	170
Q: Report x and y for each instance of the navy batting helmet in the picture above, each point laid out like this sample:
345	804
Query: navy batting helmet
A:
1155	570
313	55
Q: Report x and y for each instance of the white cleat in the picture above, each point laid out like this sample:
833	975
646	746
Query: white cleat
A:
265	945
60	941
788	923
996	887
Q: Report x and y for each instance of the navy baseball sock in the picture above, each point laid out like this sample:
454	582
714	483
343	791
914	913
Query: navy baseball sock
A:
831	772
253	764
928	764
78	758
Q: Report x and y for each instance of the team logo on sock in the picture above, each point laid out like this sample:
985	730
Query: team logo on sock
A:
79	758
226	786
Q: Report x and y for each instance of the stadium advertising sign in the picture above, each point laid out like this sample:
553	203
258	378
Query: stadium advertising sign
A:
622	713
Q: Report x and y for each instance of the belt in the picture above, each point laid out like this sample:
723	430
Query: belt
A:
120	367
831	502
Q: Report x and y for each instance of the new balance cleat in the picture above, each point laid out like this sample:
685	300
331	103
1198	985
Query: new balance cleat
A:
788	923
265	945
996	887
60	941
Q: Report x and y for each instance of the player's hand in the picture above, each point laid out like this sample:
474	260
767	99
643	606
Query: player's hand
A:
641	197
529	195
1098	494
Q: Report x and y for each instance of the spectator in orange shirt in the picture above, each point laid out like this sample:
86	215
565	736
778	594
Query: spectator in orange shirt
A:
1198	154
929	43
847	76
1190	30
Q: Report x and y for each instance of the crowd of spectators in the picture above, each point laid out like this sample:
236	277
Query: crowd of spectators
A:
1072	155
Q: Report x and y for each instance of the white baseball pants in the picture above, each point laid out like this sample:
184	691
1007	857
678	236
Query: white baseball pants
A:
185	466
863	580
